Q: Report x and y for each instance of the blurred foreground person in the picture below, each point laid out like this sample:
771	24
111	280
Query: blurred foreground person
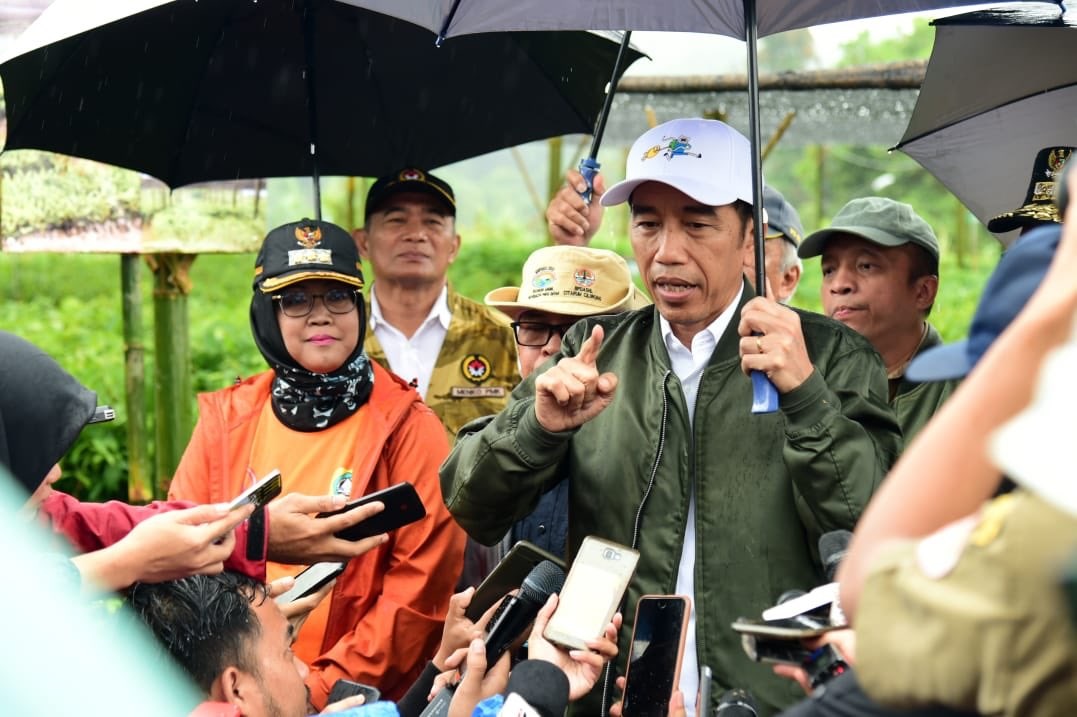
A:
42	411
956	600
336	425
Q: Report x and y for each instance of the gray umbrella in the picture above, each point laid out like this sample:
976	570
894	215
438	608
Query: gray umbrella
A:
229	89
1000	86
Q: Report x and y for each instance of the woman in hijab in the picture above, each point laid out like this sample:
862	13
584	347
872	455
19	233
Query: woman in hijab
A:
42	411
335	424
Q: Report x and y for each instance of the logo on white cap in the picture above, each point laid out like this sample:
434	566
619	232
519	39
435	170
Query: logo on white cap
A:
706	159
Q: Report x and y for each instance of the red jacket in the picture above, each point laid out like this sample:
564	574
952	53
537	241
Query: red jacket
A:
388	606
93	526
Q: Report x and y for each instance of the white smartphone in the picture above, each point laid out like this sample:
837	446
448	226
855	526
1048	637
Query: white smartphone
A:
593	589
260	493
654	657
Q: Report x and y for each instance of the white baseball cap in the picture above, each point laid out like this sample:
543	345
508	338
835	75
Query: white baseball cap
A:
706	159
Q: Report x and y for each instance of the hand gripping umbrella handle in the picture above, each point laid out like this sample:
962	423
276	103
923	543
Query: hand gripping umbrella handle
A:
589	167
764	394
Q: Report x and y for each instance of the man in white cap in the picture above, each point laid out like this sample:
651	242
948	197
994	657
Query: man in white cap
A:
648	413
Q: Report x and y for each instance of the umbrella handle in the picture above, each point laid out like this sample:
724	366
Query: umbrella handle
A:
589	167
764	394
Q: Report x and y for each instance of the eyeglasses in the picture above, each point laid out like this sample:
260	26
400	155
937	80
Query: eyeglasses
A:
299	303
535	334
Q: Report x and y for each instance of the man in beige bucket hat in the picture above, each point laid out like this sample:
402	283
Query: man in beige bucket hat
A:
559	285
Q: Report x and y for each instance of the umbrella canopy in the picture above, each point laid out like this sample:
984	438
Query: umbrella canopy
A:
721	17
194	91
980	138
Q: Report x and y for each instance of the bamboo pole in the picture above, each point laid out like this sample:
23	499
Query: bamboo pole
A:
172	368
553	173
139	478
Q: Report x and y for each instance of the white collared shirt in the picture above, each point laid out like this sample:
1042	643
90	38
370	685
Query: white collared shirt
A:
414	358
688	364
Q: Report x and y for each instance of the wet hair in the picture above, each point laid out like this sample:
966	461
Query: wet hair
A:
205	622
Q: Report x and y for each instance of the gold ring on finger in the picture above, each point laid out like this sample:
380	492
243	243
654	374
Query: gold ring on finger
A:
759	344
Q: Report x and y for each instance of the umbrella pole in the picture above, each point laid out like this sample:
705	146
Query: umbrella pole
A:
764	394
312	104
589	165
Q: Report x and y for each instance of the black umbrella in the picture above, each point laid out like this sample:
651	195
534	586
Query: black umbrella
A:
980	138
192	91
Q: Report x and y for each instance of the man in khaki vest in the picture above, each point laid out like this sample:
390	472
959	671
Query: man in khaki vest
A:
458	354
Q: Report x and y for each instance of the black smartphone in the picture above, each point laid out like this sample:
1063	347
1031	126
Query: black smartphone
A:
654	656
310	581
402	506
260	493
343	689
508	575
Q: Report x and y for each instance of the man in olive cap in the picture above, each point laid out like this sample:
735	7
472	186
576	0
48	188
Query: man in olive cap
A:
880	263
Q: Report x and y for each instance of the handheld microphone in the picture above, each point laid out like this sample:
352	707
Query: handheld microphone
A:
832	549
736	703
519	610
512	618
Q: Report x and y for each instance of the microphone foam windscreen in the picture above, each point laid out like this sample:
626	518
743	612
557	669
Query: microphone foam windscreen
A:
544	579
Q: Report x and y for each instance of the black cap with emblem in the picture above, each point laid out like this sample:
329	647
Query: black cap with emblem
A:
409	180
1039	207
307	249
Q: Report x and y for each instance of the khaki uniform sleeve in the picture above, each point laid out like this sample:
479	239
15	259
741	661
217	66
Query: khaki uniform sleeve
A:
991	635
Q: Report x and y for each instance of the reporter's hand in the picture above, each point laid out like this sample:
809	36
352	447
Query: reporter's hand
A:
582	667
573	392
296	537
345	704
459	630
477	683
844	641
570	219
166	546
297	611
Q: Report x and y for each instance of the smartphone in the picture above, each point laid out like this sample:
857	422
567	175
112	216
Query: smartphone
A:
593	589
507	575
343	689
703	697
402	506
310	581
260	493
654	655
779	641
